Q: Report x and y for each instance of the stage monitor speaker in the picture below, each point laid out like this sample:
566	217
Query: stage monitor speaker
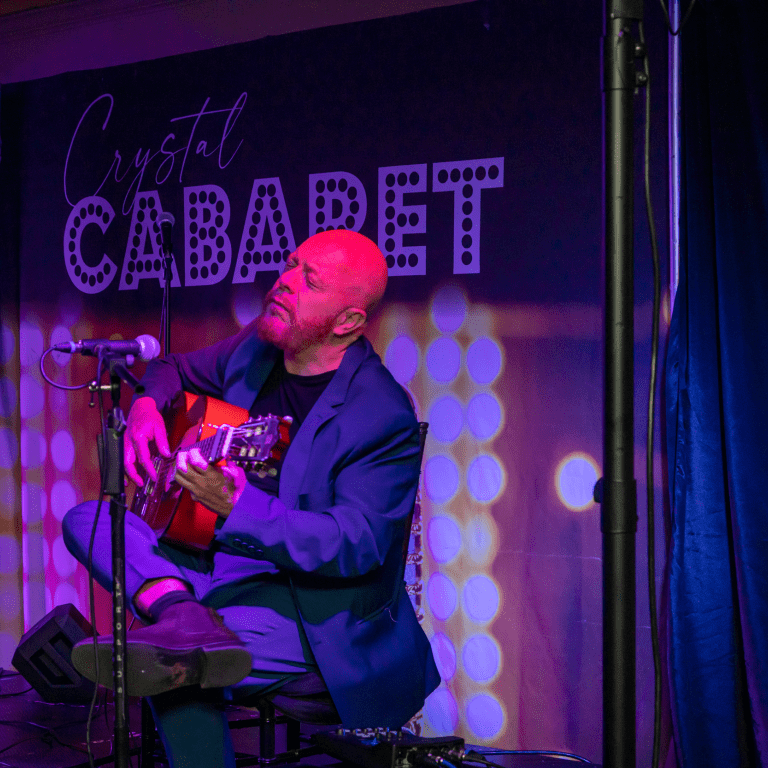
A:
44	656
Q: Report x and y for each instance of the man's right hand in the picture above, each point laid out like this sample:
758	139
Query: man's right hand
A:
145	425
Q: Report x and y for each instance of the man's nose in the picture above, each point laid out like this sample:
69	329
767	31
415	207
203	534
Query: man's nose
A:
284	282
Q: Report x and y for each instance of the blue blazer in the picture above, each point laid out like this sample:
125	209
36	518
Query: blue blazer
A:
347	486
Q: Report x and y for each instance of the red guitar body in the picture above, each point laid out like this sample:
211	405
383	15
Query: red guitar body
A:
204	422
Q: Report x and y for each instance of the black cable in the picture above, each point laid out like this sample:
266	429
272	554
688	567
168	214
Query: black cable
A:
51	381
676	32
651	533
49	733
540	752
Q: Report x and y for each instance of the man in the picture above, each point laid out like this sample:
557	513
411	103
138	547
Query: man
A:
305	571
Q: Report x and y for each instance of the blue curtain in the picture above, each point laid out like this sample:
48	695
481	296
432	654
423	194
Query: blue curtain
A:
717	396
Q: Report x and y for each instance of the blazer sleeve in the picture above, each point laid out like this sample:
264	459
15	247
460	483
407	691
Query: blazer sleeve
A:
369	497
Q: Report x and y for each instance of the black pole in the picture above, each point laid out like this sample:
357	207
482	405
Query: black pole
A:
166	311
619	493
113	468
166	221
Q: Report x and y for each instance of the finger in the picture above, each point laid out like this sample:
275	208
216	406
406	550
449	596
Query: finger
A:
183	480
181	462
161	439
196	459
130	465
236	479
145	459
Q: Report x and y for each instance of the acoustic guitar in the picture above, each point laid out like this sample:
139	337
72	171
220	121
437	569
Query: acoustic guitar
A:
222	432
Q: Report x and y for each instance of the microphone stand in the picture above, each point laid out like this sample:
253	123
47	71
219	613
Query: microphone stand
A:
166	223
165	330
113	468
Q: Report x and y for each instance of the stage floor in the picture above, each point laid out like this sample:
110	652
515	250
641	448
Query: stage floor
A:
36	734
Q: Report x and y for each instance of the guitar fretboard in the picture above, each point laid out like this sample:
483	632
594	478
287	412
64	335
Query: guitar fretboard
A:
167	467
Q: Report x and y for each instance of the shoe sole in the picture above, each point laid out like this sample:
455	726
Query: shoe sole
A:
151	670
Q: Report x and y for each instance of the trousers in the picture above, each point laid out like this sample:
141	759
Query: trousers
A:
259	608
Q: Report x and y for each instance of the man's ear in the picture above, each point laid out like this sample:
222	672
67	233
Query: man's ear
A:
350	320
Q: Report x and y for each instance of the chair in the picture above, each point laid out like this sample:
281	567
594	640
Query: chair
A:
304	700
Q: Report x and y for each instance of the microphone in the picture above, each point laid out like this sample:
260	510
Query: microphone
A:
145	347
166	222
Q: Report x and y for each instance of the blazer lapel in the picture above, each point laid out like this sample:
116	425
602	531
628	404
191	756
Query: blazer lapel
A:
247	371
333	397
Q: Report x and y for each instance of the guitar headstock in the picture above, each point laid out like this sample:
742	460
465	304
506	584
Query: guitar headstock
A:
259	443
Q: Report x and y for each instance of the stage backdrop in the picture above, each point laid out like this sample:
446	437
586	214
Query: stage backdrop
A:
467	142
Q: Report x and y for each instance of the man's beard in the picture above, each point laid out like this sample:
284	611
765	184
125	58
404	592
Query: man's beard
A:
291	336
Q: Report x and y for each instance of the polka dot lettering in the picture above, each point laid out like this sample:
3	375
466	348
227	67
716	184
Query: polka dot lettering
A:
465	179
401	219
92	210
343	204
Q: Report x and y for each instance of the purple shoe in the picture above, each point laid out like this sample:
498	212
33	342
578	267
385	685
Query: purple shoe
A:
188	645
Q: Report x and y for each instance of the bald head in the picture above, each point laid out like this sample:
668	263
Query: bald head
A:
321	302
359	266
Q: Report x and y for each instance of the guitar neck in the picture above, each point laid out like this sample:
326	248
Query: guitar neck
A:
252	444
213	448
206	446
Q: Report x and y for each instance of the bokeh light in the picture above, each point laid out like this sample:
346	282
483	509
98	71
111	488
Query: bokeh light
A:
484	416
445	419
443	359
66	593
485	478
485	716
441	478
445	655
63	450
63	498
441	595
484	360
480	597
481	658
575	480
443	538
64	563
60	335
402	358
33	448
449	308
31	345
442	711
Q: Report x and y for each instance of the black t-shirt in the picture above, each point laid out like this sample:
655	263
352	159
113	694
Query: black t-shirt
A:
286	394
